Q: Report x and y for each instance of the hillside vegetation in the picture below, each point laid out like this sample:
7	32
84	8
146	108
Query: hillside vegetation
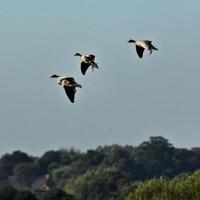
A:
153	170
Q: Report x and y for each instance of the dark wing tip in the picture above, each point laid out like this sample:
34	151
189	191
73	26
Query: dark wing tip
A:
70	92
84	67
140	51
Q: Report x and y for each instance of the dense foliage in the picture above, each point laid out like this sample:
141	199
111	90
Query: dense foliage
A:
180	188
7	192
109	172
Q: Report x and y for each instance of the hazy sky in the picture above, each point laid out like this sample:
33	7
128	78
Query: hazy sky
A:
126	101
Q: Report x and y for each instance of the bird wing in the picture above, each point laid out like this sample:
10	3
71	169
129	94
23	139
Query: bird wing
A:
139	50
94	65
84	67
151	45
70	92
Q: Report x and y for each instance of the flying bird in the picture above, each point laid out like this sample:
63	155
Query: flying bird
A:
69	85
141	45
86	61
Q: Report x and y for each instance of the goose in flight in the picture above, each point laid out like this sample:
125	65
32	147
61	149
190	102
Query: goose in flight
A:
141	45
69	85
86	61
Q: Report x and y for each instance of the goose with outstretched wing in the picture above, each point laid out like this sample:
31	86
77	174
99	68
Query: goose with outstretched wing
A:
69	85
141	45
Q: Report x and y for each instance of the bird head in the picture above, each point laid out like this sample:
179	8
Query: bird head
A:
54	76
77	54
131	41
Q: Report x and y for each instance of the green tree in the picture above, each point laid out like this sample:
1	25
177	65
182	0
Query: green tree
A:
98	184
179	188
7	193
122	158
3	175
25	195
48	159
62	175
54	194
26	172
155	156
186	160
9	161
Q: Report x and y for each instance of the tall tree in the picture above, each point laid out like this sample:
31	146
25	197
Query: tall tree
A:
9	161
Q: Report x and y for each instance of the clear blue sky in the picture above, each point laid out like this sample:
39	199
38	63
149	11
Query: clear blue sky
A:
126	101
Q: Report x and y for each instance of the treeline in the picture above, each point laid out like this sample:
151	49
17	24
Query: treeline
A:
7	192
185	187
109	172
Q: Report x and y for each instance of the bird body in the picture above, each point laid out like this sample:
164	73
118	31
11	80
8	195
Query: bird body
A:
141	45
69	84
86	61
